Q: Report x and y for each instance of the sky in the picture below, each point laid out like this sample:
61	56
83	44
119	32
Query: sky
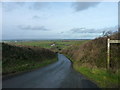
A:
58	20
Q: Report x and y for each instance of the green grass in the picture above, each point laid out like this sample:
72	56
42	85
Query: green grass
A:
25	66
103	78
59	44
44	44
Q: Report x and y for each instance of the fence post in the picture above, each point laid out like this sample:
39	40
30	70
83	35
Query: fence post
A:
108	53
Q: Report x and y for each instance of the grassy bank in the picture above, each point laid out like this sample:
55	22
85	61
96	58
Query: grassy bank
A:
101	77
90	57
26	66
17	59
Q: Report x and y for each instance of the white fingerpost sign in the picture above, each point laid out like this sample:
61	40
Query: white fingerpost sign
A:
108	50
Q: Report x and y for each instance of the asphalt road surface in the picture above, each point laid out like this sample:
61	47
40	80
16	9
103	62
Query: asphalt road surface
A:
56	75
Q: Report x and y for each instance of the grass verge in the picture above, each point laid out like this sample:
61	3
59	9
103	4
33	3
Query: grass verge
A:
24	67
102	77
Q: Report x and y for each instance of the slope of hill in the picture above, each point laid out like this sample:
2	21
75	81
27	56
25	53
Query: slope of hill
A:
23	58
90	58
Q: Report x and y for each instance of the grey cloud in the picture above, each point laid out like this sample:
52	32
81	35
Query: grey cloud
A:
9	6
84	30
40	28
36	17
61	32
20	3
119	15
38	5
79	6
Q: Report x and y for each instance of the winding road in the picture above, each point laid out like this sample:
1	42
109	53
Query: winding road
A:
56	75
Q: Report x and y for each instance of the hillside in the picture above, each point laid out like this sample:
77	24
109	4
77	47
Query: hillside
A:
22	58
90	58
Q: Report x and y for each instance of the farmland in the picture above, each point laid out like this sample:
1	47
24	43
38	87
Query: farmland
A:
58	44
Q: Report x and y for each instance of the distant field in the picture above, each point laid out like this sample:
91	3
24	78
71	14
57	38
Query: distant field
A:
55	45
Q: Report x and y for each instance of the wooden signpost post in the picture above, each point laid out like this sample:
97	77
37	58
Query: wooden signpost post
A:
108	50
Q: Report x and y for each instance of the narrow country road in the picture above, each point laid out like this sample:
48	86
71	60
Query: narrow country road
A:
56	75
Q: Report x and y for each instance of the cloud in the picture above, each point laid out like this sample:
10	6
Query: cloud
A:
60	32
36	17
40	28
9	6
84	30
80	6
119	15
38	5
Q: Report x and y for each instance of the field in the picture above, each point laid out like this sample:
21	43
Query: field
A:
58	45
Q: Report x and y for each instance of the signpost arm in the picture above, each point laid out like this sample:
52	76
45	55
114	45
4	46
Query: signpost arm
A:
108	50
